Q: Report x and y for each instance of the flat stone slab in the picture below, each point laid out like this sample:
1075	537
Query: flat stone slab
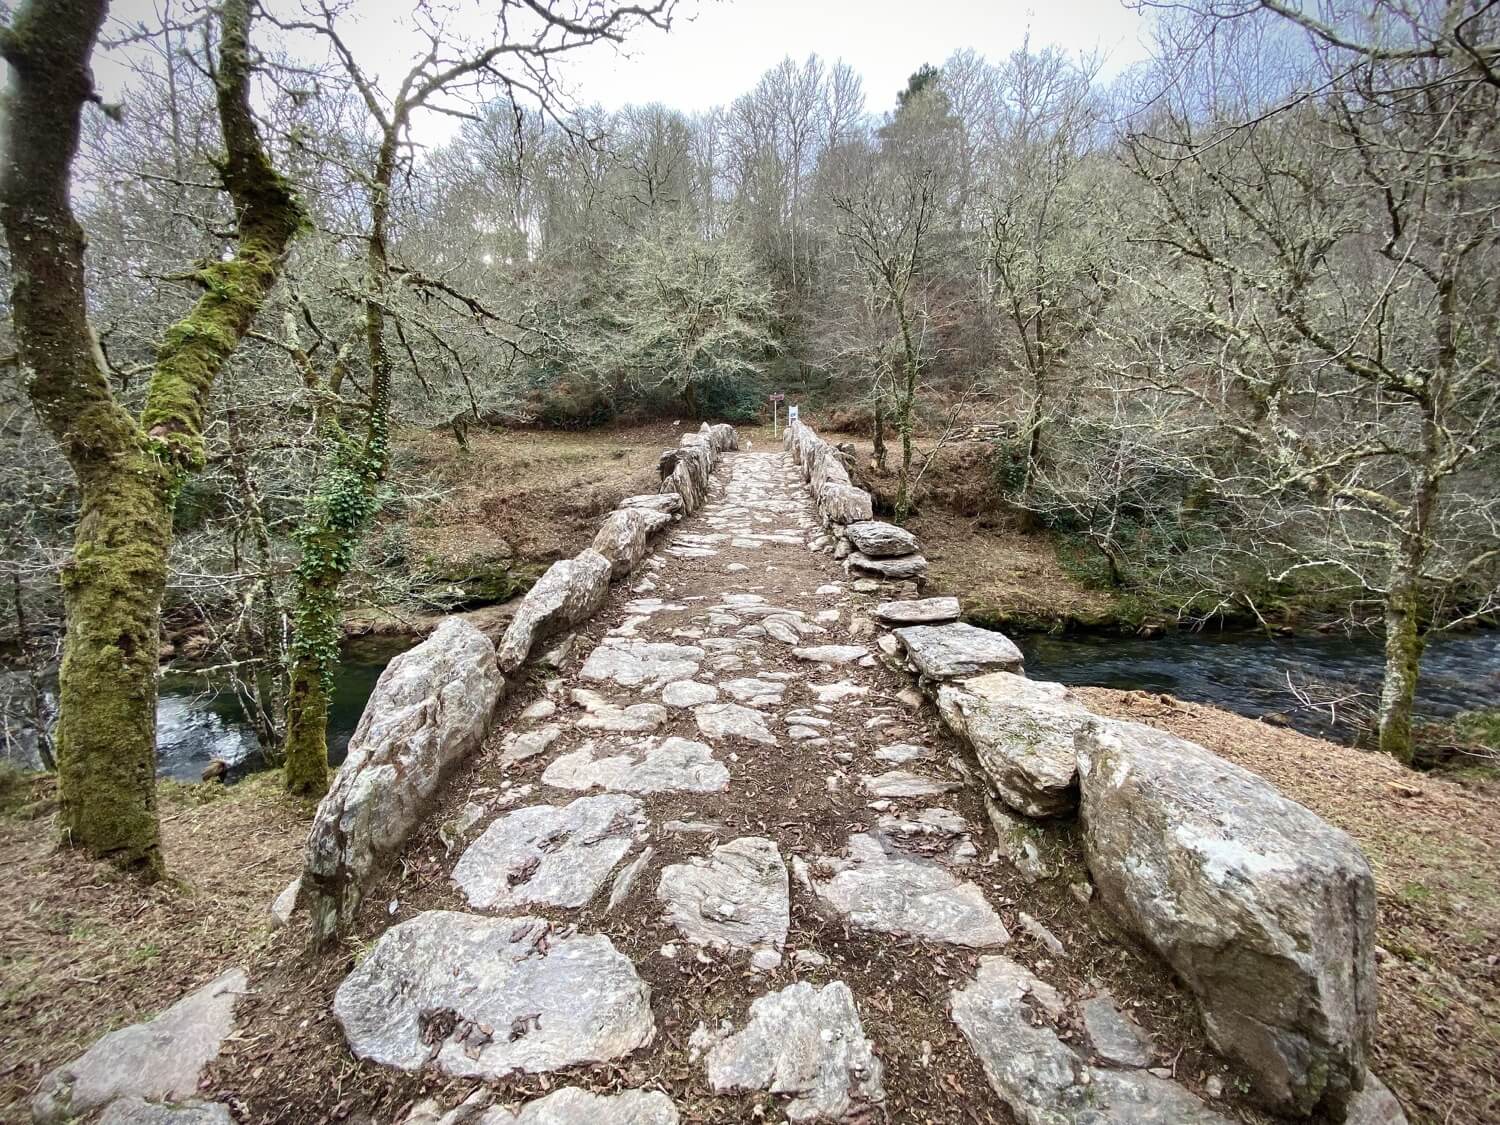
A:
549	856
688	693
754	691
580	1107
908	566
480	997
528	744
601	714
648	767
736	898
730	721
881	540
956	651
807	1044
923	611
1007	1015
896	894
838	692
831	654
1115	1038
158	1060
643	664
903	783
138	1111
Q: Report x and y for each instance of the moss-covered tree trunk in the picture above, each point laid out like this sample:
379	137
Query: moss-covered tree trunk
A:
1404	642
128	471
337	518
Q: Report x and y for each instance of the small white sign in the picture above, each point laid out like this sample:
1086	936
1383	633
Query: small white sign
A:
791	415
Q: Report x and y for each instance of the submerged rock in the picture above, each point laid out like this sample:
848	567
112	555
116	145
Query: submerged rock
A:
487	997
1265	910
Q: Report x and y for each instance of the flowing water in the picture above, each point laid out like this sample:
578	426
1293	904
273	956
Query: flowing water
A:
1249	673
196	724
1244	672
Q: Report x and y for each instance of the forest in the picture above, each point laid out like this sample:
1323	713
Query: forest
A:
1227	320
368	376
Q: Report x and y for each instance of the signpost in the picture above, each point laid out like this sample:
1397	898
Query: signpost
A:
775	412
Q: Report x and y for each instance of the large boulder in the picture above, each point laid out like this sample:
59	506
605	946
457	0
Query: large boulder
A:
159	1060
430	709
1022	733
1266	911
571	591
721	436
879	540
958	651
907	566
845	504
695	462
623	536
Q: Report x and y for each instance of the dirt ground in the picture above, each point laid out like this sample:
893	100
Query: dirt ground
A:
1006	576
86	950
1435	848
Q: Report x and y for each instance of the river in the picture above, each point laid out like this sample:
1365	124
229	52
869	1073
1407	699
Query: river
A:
195	726
1243	672
1247	672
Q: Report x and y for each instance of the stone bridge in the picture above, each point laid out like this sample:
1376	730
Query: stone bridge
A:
768	835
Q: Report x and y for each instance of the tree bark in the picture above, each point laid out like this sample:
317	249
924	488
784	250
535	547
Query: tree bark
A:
340	514
128	472
1403	610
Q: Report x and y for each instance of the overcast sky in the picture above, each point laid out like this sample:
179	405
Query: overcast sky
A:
717	49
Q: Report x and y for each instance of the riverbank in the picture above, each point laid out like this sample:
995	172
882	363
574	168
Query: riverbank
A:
87	949
1435	848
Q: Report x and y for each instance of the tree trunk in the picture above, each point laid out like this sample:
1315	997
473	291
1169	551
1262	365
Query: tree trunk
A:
128	473
1403	656
306	748
879	437
1403	608
340	514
